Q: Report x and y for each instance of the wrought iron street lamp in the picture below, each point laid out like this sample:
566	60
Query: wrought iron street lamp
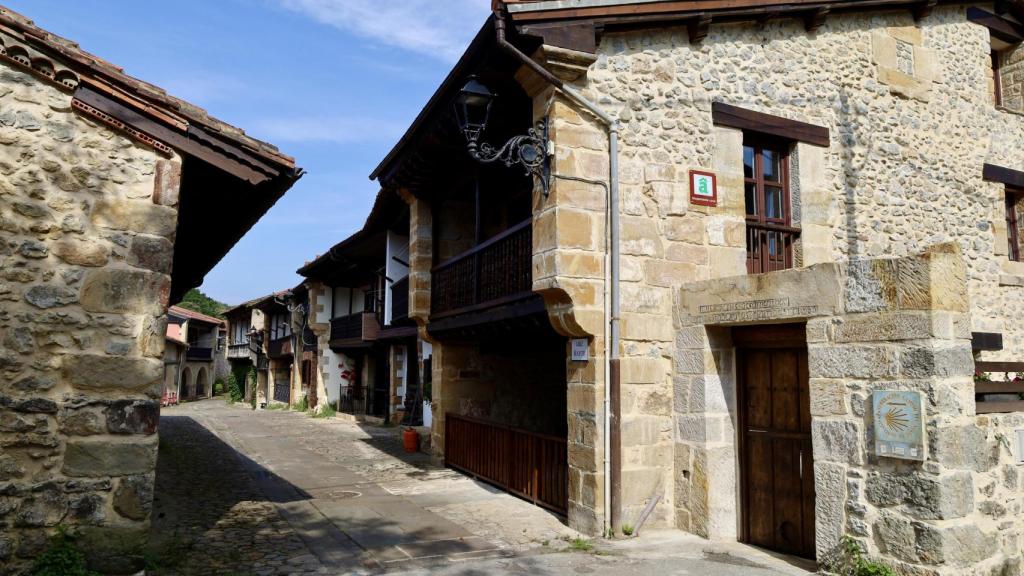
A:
473	110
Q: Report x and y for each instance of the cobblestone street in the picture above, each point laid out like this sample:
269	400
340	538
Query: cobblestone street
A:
278	492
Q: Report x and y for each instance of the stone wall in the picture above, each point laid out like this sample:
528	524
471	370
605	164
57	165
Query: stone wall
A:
909	110
85	257
898	324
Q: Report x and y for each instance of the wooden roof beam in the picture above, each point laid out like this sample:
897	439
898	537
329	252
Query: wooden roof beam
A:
698	28
923	9
816	19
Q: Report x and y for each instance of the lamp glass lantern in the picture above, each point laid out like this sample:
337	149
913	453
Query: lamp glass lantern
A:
473	109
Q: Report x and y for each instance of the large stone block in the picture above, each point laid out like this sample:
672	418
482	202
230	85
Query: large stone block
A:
142	216
116	373
101	458
883	327
46	296
132	417
927	497
82	252
133	498
123	290
853	361
838	441
962	545
830	504
945	362
790	295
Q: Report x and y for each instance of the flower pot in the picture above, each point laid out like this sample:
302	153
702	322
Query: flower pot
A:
411	441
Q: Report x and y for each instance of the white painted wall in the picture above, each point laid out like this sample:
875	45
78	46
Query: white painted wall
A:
397	247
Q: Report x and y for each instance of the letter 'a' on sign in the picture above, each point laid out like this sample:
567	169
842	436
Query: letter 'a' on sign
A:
703	188
899	424
580	350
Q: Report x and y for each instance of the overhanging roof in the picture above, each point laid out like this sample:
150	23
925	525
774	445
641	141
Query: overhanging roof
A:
550	10
228	179
363	250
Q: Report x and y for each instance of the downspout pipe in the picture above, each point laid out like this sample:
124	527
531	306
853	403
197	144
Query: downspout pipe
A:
612	404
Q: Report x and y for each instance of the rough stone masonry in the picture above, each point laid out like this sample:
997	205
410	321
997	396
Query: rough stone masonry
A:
85	253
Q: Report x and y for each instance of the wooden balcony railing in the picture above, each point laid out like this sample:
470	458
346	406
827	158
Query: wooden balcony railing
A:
496	271
239	350
280	348
530	465
197	354
770	247
361	325
995	396
400	301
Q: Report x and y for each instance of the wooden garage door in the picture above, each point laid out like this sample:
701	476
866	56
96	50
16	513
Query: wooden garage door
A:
776	462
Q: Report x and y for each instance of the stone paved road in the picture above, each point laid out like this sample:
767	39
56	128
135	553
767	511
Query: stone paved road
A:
276	492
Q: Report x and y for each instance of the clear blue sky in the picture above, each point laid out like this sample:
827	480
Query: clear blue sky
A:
333	83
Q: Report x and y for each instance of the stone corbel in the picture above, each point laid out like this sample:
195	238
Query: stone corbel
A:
568	65
562	313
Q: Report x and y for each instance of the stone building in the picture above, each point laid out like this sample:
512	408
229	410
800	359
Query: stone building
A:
760	224
271	335
174	362
359	315
203	351
99	175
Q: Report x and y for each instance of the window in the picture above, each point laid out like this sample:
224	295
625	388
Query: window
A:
770	234
1013	200
997	79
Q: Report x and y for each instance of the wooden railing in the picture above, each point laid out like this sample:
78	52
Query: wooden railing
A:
197	354
238	350
770	247
999	396
280	347
533	466
361	325
497	270
400	300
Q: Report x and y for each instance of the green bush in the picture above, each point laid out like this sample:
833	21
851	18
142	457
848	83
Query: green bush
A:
302	405
236	389
327	411
62	558
218	387
251	378
849	560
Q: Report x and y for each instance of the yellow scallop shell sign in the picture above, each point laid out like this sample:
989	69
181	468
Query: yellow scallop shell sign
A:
899	424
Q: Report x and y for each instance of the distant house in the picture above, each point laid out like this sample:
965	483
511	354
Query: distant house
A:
204	361
174	363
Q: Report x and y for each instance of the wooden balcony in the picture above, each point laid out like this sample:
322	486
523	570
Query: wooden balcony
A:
238	351
197	354
770	247
497	271
400	301
355	328
280	348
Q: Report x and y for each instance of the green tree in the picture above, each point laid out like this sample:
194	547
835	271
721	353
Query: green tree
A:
196	301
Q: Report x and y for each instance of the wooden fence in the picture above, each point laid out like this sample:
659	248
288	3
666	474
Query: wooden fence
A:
532	466
994	397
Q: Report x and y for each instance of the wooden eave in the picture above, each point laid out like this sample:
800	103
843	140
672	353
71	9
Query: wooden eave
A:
612	12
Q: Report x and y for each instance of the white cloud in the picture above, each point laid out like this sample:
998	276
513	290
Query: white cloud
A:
439	29
334	129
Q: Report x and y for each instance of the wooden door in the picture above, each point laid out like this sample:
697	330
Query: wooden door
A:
777	470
